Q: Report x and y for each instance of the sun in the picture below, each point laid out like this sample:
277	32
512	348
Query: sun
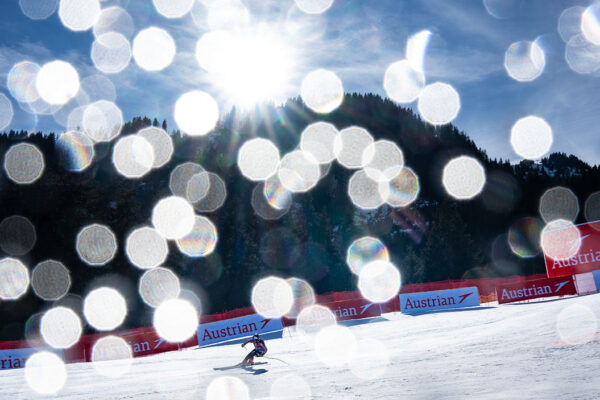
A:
248	66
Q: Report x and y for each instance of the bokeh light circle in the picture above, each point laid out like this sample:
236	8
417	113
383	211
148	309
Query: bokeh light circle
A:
577	324
314	318
17	235
276	195
271	208
559	203
197	187
227	388
196	113
402	83
45	372
105	308
181	175
133	156
365	250
14	279
75	151
258	159
60	327
298	171
272	297
314	6
153	49
161	143
24	163
79	15
322	91
21	82
57	82
463	177
352	147
372	364
560	239
379	281
215	198
569	22
146	248
304	296
50	280
439	103
284	386
318	140
115	349
524	237
364	192
6	111
38	9
114	19
402	190
386	160
102	121
175	320
111	53
173	217
158	285
524	61
173	8
335	345
591	208
96	244
531	137
582	56
202	239
590	24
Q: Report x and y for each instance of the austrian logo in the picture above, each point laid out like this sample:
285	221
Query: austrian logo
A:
222	331
535	289
439	300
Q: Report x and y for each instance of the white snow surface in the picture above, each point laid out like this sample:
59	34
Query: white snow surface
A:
493	352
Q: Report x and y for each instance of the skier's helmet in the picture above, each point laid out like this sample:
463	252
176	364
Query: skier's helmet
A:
256	337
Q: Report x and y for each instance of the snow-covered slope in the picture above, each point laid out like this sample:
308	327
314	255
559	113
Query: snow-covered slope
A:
506	352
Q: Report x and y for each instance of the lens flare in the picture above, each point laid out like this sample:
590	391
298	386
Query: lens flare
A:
38	9
111	53
215	198
258	159
158	285
75	151
463	178
45	372
322	91
577	324
290	383
50	280
173	8
96	244
6	111
21	81
531	137
227	388
272	297
582	56
264	209
173	217
379	281
439	103
524	61
560	239
352	149
146	248
372	364
335	345
114	19
201	241
60	327
402	190
112	348
57	82
153	49
318	140
24	163
14	279
102	121
17	235
133	156
524	237
590	24
386	160
196	113
298	171
161	143
304	296
416	48
402	83
105	308
276	195
364	191
79	15
175	320
559	203
365	250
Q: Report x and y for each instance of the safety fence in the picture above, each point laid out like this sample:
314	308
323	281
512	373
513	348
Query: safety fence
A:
242	322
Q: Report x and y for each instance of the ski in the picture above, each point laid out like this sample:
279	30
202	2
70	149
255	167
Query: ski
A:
240	365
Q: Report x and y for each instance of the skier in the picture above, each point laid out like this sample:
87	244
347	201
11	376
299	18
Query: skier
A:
259	349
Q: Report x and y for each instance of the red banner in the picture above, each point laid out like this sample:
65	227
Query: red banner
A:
586	259
354	309
550	287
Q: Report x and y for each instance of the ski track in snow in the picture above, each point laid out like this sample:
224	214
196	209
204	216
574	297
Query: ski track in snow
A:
506	352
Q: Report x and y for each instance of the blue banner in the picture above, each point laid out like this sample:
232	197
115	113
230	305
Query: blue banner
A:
16	358
411	303
597	278
236	328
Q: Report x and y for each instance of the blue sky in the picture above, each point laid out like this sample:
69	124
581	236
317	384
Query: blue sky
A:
357	39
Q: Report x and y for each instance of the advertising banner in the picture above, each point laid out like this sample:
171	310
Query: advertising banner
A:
411	303
596	274
586	259
148	342
222	331
535	289
15	358
354	309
